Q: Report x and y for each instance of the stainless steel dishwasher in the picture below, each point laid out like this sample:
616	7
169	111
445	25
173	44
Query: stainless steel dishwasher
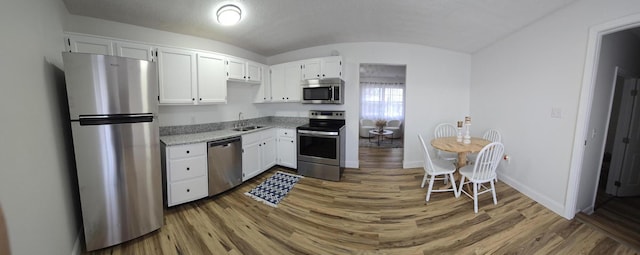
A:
225	164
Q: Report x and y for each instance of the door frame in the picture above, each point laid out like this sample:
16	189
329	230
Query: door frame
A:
586	101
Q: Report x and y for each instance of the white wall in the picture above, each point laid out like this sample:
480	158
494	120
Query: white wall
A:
619	49
517	81
37	180
240	96
437	88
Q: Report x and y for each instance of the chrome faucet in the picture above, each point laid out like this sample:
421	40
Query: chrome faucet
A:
240	123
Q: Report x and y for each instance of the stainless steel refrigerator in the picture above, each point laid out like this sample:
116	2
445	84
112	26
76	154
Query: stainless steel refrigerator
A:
113	106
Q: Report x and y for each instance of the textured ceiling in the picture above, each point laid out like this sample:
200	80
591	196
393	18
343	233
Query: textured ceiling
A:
276	26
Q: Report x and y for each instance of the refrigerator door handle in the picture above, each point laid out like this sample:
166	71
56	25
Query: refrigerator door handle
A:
90	120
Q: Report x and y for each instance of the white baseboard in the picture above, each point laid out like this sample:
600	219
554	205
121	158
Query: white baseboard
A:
536	196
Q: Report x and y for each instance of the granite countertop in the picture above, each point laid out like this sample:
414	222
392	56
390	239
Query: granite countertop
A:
214	135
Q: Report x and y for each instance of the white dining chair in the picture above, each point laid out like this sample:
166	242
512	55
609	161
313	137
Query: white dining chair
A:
490	135
446	130
482	172
433	169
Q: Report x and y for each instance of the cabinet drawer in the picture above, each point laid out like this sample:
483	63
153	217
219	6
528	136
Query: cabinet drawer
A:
251	138
189	190
291	133
187	150
180	169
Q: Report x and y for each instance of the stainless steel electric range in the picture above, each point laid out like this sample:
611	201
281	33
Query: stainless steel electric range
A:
321	145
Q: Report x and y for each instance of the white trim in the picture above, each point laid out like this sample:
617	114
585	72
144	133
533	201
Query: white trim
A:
352	164
533	194
586	101
589	210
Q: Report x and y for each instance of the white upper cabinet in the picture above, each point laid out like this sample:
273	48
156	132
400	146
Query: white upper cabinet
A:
87	44
277	83
321	68
134	50
332	67
189	77
254	72
105	46
212	81
292	81
177	76
236	69
264	91
243	70
285	82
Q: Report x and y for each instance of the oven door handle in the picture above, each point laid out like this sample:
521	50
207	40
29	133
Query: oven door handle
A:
309	132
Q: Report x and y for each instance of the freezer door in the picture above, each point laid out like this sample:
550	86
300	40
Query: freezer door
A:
107	85
119	178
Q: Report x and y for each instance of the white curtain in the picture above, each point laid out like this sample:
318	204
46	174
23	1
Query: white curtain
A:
381	100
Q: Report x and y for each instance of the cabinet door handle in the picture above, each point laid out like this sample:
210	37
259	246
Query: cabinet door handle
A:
318	75
188	190
201	99
322	75
188	168
193	99
291	141
187	152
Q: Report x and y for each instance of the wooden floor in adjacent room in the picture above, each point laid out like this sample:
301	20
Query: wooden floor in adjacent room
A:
618	217
373	157
370	211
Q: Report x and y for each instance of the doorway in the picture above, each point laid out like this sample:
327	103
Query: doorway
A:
616	200
381	125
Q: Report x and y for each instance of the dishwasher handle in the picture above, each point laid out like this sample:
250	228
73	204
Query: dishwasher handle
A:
224	142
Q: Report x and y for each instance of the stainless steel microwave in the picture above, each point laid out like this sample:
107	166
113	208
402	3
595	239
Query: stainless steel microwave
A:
323	91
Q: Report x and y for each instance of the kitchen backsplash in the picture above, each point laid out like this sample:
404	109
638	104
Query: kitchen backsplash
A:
198	128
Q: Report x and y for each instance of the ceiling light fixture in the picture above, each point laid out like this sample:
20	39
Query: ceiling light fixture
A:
229	14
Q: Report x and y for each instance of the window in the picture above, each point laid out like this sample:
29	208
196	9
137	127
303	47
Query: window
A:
382	101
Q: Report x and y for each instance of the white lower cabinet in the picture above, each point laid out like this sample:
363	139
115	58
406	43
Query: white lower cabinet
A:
258	153
186	172
188	190
286	148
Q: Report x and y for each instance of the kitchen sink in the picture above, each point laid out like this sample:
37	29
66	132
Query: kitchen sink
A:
247	128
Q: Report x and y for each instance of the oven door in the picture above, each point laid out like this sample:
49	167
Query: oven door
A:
319	147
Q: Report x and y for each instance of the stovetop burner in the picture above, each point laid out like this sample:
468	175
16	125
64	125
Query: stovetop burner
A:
324	121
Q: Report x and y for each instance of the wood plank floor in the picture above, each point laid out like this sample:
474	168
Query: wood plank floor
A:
618	217
374	157
371	211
